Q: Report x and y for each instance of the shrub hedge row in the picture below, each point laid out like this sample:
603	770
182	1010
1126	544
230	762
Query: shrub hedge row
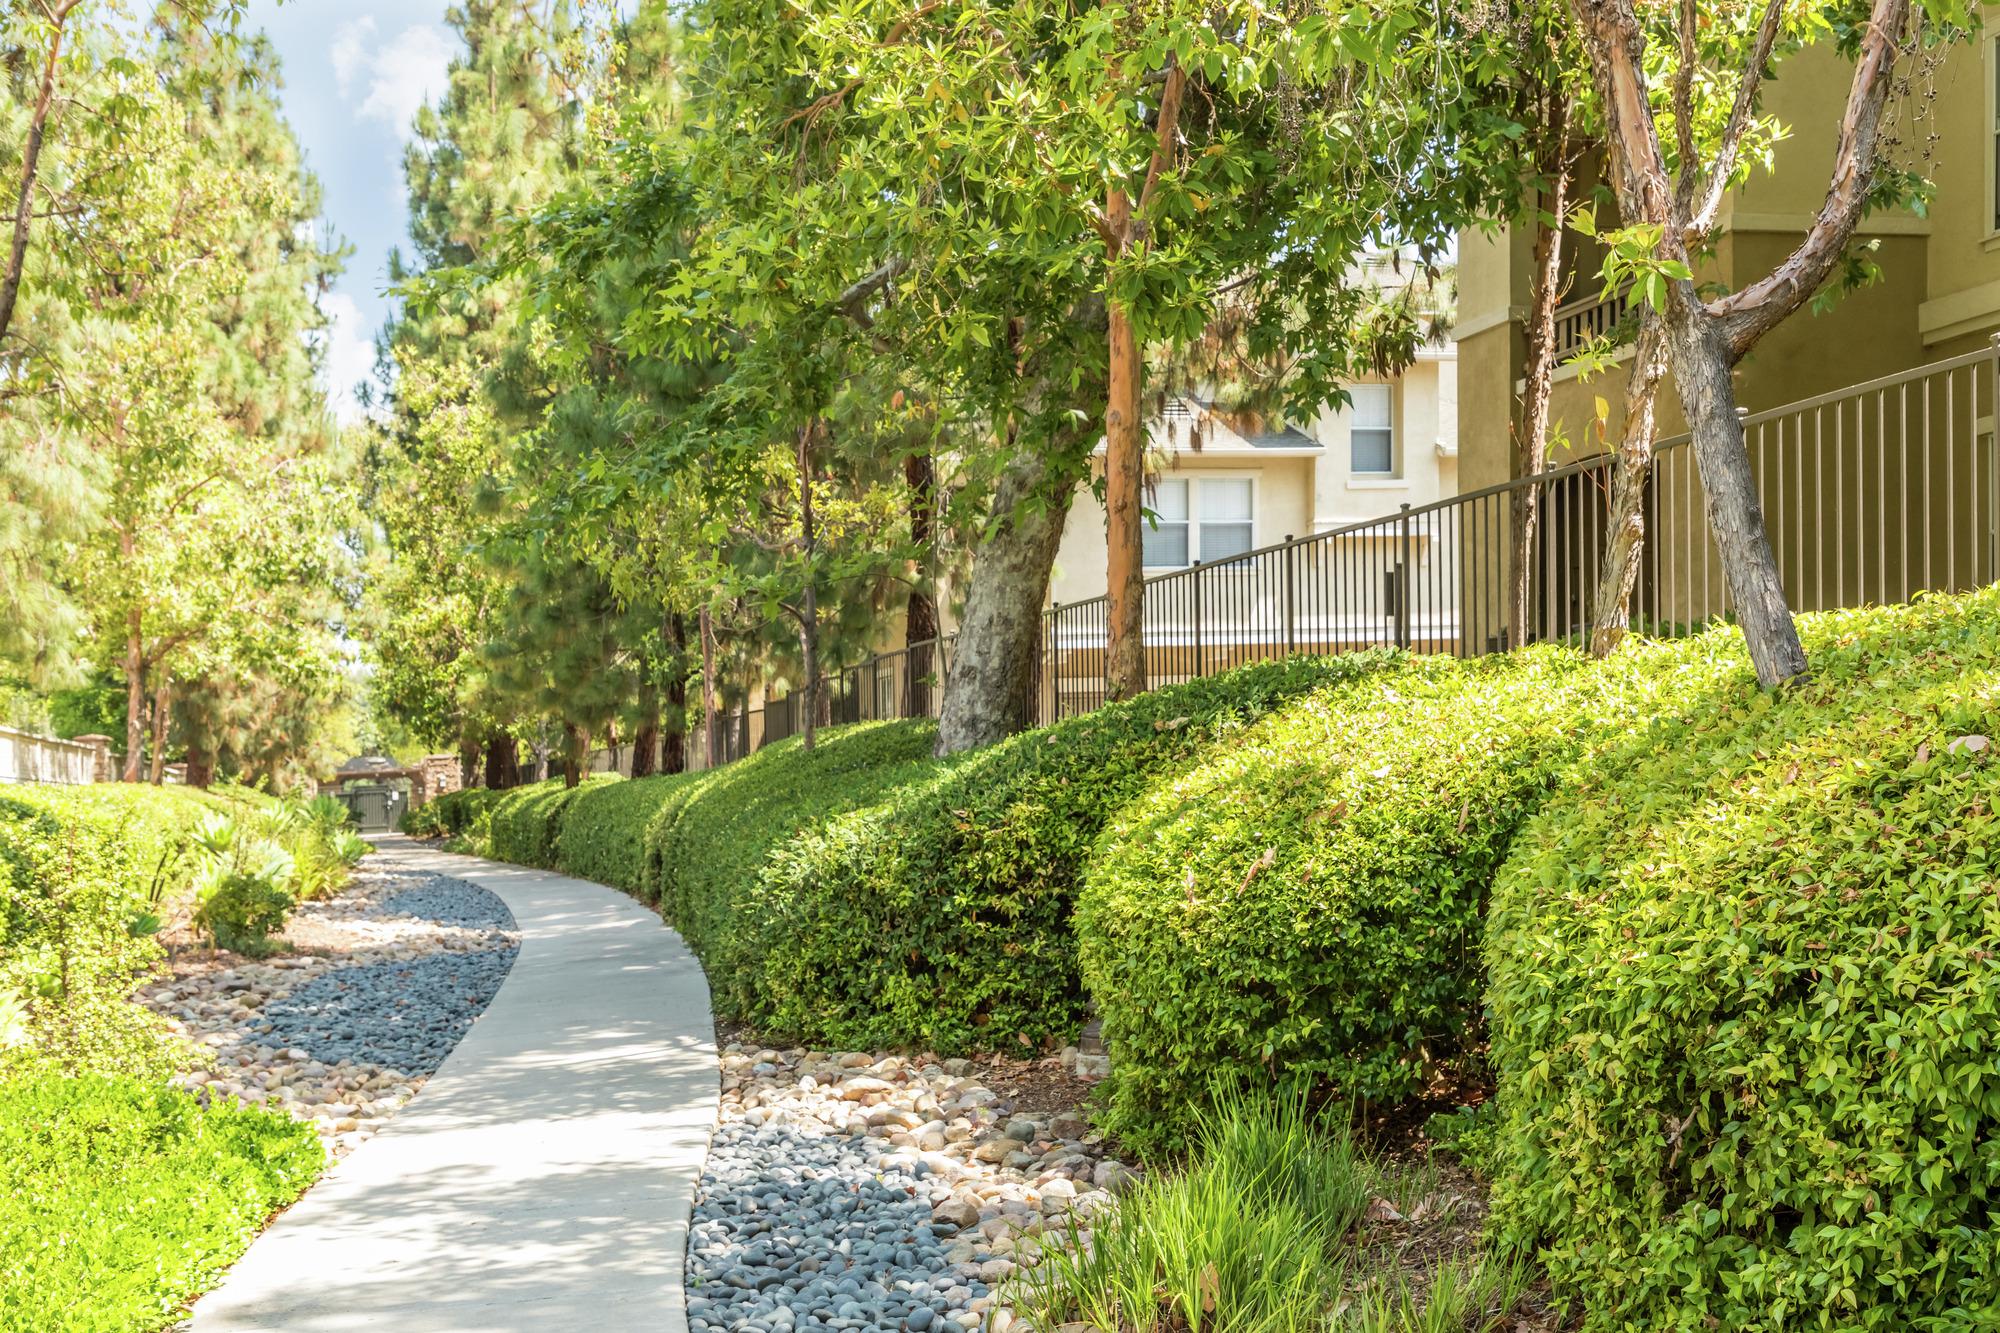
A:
941	916
1746	996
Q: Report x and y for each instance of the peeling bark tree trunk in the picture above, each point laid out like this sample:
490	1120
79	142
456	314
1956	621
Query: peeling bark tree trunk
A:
646	739
135	699
920	617
1735	518
1124	500
1531	446
808	612
163	716
1625	528
1000	636
673	744
710	737
503	762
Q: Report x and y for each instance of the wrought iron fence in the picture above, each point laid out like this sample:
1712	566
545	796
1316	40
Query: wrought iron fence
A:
1870	495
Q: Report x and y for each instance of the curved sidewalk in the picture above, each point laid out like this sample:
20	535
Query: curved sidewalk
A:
542	1179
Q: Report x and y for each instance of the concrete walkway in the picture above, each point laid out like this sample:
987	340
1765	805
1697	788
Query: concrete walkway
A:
542	1179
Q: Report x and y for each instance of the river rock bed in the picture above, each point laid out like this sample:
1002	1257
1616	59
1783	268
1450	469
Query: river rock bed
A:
878	1192
385	979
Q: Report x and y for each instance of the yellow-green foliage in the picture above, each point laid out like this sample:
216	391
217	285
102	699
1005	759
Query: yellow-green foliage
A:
120	1200
941	915
1746	996
1306	899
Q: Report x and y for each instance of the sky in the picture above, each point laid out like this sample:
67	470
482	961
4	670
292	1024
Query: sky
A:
355	73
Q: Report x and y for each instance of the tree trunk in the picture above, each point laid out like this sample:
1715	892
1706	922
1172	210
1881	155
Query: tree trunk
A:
135	700
574	742
1124	493
468	762
163	716
809	610
503	761
1735	518
673	744
1000	637
711	739
1531	446
611	748
1625	529
31	156
646	737
920	617
200	767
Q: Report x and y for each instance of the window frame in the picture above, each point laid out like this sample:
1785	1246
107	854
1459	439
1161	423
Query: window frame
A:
1192	481
1395	469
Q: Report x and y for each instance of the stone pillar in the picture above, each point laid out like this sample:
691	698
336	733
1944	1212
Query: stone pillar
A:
100	757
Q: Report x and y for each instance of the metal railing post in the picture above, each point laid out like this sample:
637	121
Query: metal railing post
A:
1291	598
1403	578
1992	460
1195	574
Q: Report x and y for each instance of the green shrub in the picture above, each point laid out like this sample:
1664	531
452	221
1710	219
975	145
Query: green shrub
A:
941	915
121	1201
460	814
524	822
603	834
1307	898
712	837
1746	996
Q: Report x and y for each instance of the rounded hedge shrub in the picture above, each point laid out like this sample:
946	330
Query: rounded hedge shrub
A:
1746	997
525	822
1307	899
603	833
941	916
711	840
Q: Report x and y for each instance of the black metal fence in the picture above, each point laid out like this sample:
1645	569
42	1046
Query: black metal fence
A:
1870	495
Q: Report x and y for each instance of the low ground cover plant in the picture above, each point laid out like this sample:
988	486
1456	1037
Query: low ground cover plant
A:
941	916
1746	996
1307	898
120	1200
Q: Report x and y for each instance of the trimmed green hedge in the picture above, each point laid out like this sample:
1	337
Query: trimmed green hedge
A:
1307	898
1746	997
524	823
603	833
121	1201
941	916
710	840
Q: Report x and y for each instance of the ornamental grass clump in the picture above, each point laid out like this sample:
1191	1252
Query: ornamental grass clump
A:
1745	996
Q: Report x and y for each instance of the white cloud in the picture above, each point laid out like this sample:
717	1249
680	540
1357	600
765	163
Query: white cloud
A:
394	76
350	356
350	51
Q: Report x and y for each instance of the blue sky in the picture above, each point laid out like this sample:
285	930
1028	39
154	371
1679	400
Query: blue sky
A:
355	73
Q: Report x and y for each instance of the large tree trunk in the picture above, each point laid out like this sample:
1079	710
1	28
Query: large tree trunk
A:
711	738
135	700
1531	446
673	744
646	737
920	617
1735	518
200	766
163	716
576	745
503	761
1124	502
1632	473
809	609
1000	638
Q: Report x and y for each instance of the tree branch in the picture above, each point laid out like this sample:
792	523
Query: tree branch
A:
1684	106
1164	133
1702	213
1749	314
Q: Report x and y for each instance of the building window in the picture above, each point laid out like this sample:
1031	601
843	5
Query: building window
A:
1202	518
1371	431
